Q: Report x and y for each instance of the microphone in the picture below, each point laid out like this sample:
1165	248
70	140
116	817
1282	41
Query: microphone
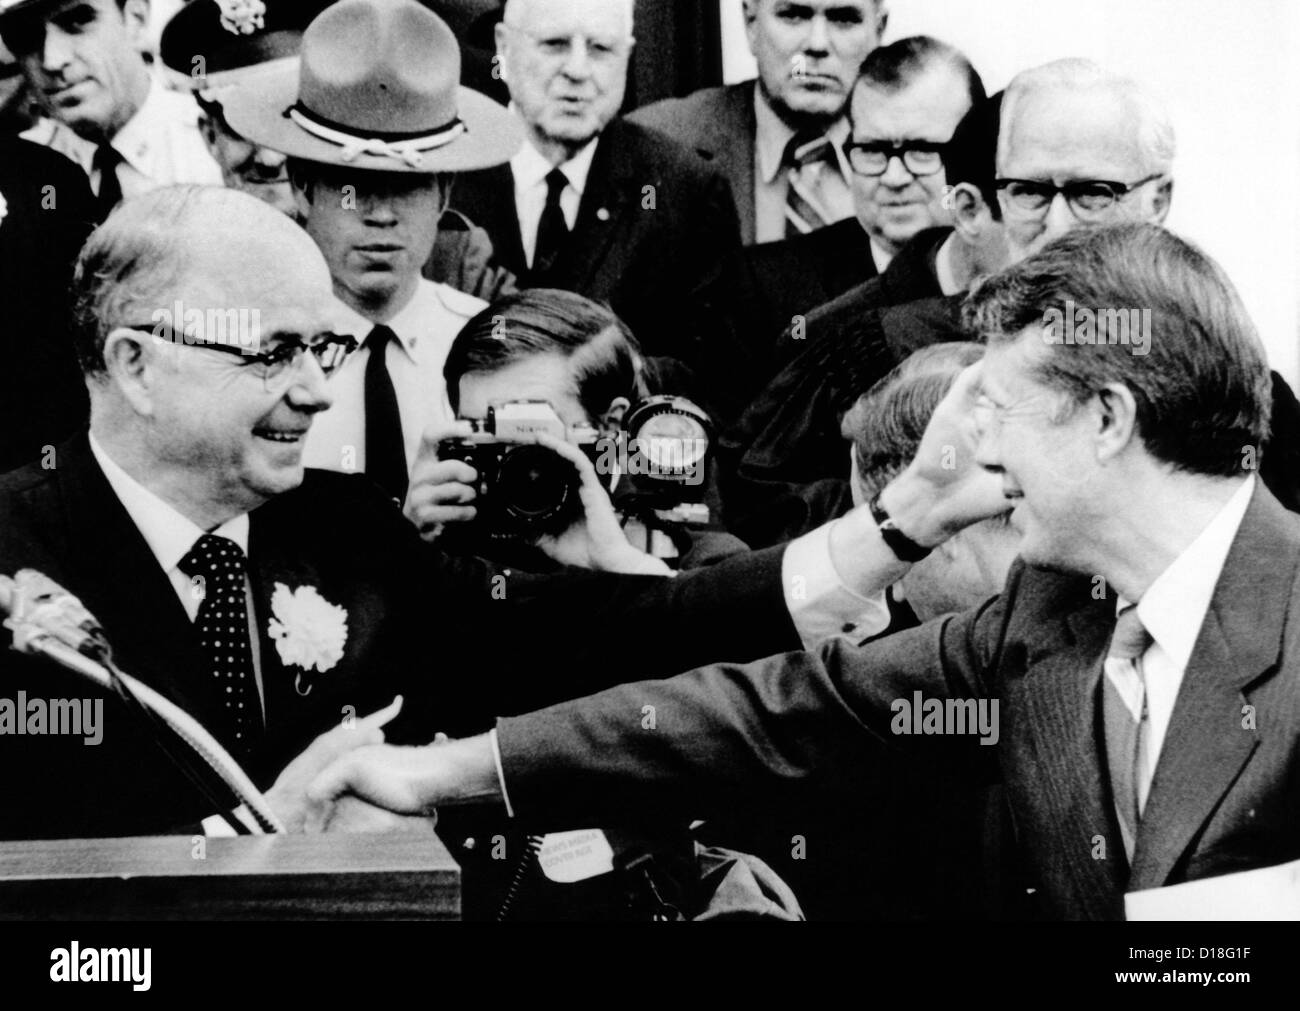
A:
47	619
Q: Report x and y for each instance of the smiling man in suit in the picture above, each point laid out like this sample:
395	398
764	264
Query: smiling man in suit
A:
592	204
1142	654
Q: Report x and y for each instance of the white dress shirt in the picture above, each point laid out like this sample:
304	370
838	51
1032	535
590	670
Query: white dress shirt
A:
1172	611
530	170
771	184
160	145
880	256
425	328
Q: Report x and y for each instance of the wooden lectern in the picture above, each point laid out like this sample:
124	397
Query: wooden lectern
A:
391	876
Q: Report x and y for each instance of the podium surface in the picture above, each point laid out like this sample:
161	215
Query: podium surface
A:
389	876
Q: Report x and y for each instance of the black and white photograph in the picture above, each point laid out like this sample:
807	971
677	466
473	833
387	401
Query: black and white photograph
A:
545	464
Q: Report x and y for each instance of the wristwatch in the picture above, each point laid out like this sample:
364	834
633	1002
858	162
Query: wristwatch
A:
898	542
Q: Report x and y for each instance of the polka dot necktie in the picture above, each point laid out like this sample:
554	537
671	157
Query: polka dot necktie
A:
217	566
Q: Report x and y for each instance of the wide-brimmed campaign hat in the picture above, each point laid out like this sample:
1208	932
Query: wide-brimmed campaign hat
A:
377	87
214	43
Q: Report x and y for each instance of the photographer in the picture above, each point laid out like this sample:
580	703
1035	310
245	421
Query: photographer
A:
554	354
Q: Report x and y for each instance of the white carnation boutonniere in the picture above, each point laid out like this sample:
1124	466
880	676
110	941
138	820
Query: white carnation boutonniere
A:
309	632
242	17
4	208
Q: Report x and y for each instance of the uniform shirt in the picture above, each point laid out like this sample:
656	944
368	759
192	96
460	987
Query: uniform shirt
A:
771	185
530	170
160	145
425	327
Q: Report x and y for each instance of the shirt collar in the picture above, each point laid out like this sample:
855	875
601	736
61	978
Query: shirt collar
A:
1174	606
424	312
773	136
531	169
169	534
136	140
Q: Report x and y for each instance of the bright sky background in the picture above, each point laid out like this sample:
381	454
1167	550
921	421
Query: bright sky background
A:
1229	75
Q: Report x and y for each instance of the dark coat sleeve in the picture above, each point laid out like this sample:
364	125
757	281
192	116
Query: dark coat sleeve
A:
725	737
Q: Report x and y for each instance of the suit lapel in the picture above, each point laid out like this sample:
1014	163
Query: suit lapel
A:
151	635
734	152
1059	700
1206	746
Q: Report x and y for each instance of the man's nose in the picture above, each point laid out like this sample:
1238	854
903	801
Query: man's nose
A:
1059	219
379	209
309	390
896	174
987	453
819	36
57	50
578	64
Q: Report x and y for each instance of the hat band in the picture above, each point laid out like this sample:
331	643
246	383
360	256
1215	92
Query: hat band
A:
408	148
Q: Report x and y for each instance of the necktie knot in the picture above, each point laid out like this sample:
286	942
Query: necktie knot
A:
1130	639
556	183
807	149
214	556
378	338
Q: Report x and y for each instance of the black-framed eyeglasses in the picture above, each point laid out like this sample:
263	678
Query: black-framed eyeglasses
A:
1087	198
872	157
330	350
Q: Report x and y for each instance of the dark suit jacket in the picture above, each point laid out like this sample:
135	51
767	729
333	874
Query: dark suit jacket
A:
461	640
47	217
779	281
657	256
720	124
1226	789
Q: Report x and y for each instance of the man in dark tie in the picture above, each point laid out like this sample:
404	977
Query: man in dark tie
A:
372	154
84	63
595	205
1135	681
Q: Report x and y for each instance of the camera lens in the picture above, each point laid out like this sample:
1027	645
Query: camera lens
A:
673	443
534	484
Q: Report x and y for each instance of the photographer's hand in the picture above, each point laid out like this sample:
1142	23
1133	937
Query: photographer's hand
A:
441	491
597	540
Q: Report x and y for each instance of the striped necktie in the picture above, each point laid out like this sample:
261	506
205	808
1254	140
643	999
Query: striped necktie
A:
807	156
1126	734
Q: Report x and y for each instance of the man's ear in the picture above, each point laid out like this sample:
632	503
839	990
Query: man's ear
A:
1162	201
882	22
132	360
970	212
615	413
136	15
301	195
1116	411
750	12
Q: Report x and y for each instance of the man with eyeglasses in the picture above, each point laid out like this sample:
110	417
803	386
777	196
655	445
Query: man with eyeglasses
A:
592	204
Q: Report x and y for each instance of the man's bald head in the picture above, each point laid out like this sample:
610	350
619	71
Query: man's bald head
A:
1073	121
207	247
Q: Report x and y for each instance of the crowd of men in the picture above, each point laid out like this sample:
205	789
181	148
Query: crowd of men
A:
986	608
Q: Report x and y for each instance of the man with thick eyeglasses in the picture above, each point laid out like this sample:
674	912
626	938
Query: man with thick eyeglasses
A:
593	204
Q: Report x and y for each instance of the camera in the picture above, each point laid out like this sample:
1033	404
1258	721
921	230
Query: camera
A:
524	489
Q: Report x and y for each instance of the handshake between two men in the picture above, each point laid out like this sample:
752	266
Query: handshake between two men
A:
947	487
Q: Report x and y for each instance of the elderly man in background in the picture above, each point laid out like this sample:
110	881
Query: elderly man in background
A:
84	62
778	139
595	205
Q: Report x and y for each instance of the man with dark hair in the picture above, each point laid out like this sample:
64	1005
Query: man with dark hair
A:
85	65
778	138
909	98
1151	618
